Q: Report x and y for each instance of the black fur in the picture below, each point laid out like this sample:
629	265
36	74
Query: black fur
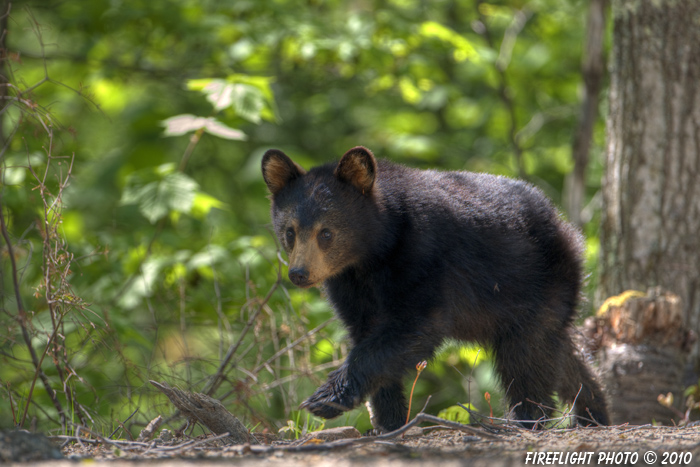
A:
426	255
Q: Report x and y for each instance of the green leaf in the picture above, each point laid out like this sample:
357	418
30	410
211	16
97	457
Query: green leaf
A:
218	91
409	91
157	191
250	97
142	286
472	355
16	167
248	102
208	256
203	203
14	175
456	413
262	83
464	50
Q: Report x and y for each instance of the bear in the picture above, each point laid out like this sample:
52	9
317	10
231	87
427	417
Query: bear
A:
409	258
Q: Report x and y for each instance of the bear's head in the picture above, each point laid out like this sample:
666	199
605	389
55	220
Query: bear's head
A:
325	218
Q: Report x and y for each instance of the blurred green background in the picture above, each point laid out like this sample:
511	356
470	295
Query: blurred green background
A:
161	264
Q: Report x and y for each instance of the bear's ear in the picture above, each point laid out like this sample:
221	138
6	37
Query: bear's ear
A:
358	167
278	170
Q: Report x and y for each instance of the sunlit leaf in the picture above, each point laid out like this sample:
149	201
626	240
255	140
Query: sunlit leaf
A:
409	91
472	355
183	124
262	83
186	123
73	225
16	167
142	286
216	128
219	93
210	255
176	273
14	175
203	203
323	351
456	413
488	9
464	50
250	97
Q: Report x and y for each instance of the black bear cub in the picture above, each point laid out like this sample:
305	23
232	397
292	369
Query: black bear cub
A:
409	258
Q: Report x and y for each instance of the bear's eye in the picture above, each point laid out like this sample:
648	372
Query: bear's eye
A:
289	234
325	234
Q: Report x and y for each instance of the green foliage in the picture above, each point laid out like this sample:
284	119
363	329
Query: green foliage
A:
159	191
456	413
297	429
168	264
249	97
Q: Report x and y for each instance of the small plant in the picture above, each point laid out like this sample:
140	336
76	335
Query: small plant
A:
419	368
487	396
690	404
311	424
291	427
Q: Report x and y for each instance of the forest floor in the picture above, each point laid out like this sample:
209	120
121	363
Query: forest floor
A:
620	445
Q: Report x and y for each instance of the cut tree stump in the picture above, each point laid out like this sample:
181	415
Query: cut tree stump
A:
209	412
641	343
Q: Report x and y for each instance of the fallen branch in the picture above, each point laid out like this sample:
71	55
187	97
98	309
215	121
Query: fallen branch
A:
151	428
135	446
209	412
344	443
204	405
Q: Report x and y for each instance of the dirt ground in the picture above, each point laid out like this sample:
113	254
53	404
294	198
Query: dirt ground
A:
622	445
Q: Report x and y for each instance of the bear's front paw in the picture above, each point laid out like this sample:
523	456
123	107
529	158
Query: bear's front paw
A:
335	396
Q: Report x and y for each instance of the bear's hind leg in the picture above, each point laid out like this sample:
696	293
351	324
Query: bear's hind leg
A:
578	384
389	408
528	371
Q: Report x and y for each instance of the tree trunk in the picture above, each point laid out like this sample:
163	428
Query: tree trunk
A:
650	232
593	71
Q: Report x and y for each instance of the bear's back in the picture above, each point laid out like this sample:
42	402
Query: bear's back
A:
469	199
493	239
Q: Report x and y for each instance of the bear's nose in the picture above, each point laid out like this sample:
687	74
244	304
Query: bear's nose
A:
299	276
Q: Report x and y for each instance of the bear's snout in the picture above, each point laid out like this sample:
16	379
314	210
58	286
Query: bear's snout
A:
299	277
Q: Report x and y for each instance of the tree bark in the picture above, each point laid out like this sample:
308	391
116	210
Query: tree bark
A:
593	71
650	234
